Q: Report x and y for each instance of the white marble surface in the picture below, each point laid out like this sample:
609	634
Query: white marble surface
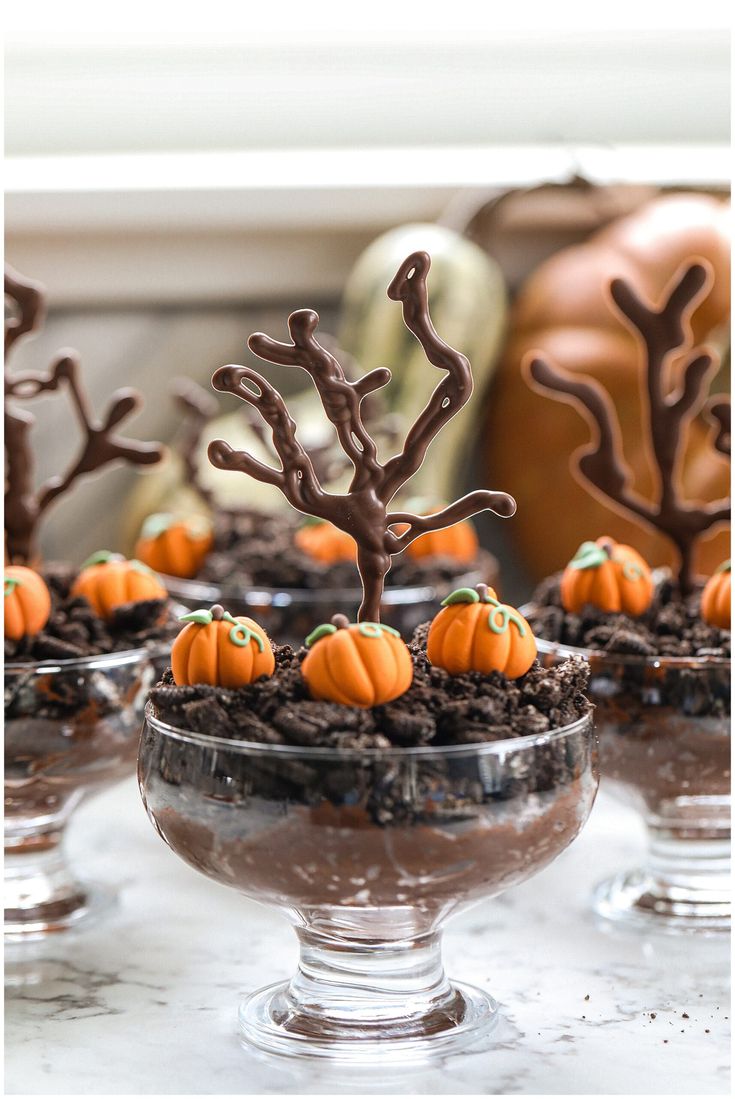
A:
145	1003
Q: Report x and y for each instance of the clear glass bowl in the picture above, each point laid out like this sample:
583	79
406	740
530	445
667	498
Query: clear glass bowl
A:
663	752
71	729
367	852
290	614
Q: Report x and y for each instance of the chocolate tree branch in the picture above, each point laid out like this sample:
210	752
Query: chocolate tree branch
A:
717	411
198	408
296	478
409	287
28	297
24	504
340	397
481	500
669	408
363	510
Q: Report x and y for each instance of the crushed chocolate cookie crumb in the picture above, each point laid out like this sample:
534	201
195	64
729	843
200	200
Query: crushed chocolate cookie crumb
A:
437	709
670	627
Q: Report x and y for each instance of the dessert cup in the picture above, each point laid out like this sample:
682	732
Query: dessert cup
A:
71	729
367	852
664	730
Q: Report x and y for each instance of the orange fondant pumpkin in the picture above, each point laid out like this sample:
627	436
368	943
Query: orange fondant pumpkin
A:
174	546
609	576
475	632
358	664
27	602
220	650
562	311
716	598
325	543
108	581
458	542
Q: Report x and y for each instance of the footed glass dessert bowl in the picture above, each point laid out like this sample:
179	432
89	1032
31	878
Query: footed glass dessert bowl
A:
367	852
71	729
664	730
290	614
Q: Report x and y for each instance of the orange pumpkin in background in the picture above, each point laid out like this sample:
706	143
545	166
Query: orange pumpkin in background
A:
458	542
27	602
176	547
562	311
108	581
607	575
324	542
359	664
220	650
475	632
715	606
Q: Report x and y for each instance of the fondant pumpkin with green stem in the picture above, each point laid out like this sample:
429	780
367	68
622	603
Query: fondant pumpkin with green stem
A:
108	581
222	651
176	547
27	602
475	632
360	664
607	575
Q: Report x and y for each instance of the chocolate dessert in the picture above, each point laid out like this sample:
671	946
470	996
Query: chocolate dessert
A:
366	787
81	646
658	643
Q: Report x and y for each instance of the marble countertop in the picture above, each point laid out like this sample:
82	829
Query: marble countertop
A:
145	1003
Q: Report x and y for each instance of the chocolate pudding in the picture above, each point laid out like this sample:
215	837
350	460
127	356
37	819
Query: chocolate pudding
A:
661	688
73	698
312	804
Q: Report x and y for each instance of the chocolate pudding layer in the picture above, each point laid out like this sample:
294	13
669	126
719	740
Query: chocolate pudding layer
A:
661	688
73	698
257	549
311	804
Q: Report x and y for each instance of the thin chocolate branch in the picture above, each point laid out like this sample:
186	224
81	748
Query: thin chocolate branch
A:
30	301
661	331
717	411
601	462
24	506
198	407
409	287
481	500
363	510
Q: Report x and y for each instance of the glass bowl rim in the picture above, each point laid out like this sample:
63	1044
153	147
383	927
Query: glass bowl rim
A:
261	595
631	659
395	752
95	662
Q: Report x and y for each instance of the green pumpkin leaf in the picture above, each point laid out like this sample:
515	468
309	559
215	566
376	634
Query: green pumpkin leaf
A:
202	617
11	583
724	567
461	595
588	556
156	524
101	557
321	631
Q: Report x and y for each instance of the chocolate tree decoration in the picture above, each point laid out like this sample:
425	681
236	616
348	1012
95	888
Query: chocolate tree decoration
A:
198	407
363	510
24	503
669	408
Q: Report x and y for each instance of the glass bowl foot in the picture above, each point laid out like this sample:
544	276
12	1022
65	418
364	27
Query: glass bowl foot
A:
272	1021
640	899
84	905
